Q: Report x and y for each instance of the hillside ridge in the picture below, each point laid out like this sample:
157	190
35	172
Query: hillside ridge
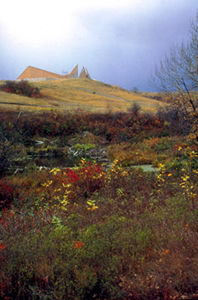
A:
80	93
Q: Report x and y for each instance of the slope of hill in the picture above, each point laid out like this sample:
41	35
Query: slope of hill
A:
85	94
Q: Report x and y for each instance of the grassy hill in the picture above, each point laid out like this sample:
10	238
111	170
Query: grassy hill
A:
72	94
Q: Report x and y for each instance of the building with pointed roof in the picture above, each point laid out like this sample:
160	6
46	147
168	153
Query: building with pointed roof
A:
74	73
84	73
36	74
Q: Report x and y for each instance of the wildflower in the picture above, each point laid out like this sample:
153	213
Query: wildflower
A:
46	279
55	171
92	208
124	173
12	213
47	184
78	245
2	246
92	205
161	166
165	252
83	161
3	286
66	185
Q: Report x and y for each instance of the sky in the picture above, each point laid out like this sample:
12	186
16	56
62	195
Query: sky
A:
119	41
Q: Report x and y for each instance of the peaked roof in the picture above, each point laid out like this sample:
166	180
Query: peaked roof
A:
74	72
32	73
84	73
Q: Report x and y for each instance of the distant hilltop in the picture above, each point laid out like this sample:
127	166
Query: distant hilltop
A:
36	74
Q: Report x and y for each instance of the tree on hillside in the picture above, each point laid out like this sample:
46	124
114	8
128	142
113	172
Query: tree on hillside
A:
177	75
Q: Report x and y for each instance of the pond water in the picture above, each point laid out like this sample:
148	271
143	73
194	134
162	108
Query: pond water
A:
60	160
147	168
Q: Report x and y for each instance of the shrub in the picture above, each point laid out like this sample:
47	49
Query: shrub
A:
8	193
79	151
135	109
21	88
174	120
130	154
70	264
120	250
73	186
90	233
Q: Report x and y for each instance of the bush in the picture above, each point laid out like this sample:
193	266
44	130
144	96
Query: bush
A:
21	88
174	120
70	264
93	233
119	249
65	188
135	109
8	193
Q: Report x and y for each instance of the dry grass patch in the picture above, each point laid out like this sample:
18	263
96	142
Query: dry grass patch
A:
85	94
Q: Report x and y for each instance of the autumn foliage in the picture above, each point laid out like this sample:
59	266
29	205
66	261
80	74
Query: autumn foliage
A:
21	88
112	126
99	230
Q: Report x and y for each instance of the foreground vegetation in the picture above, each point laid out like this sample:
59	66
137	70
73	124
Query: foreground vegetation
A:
85	227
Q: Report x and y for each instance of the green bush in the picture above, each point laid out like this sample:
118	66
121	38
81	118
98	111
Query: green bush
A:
69	264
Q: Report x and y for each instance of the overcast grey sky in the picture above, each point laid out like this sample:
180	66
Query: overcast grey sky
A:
118	41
